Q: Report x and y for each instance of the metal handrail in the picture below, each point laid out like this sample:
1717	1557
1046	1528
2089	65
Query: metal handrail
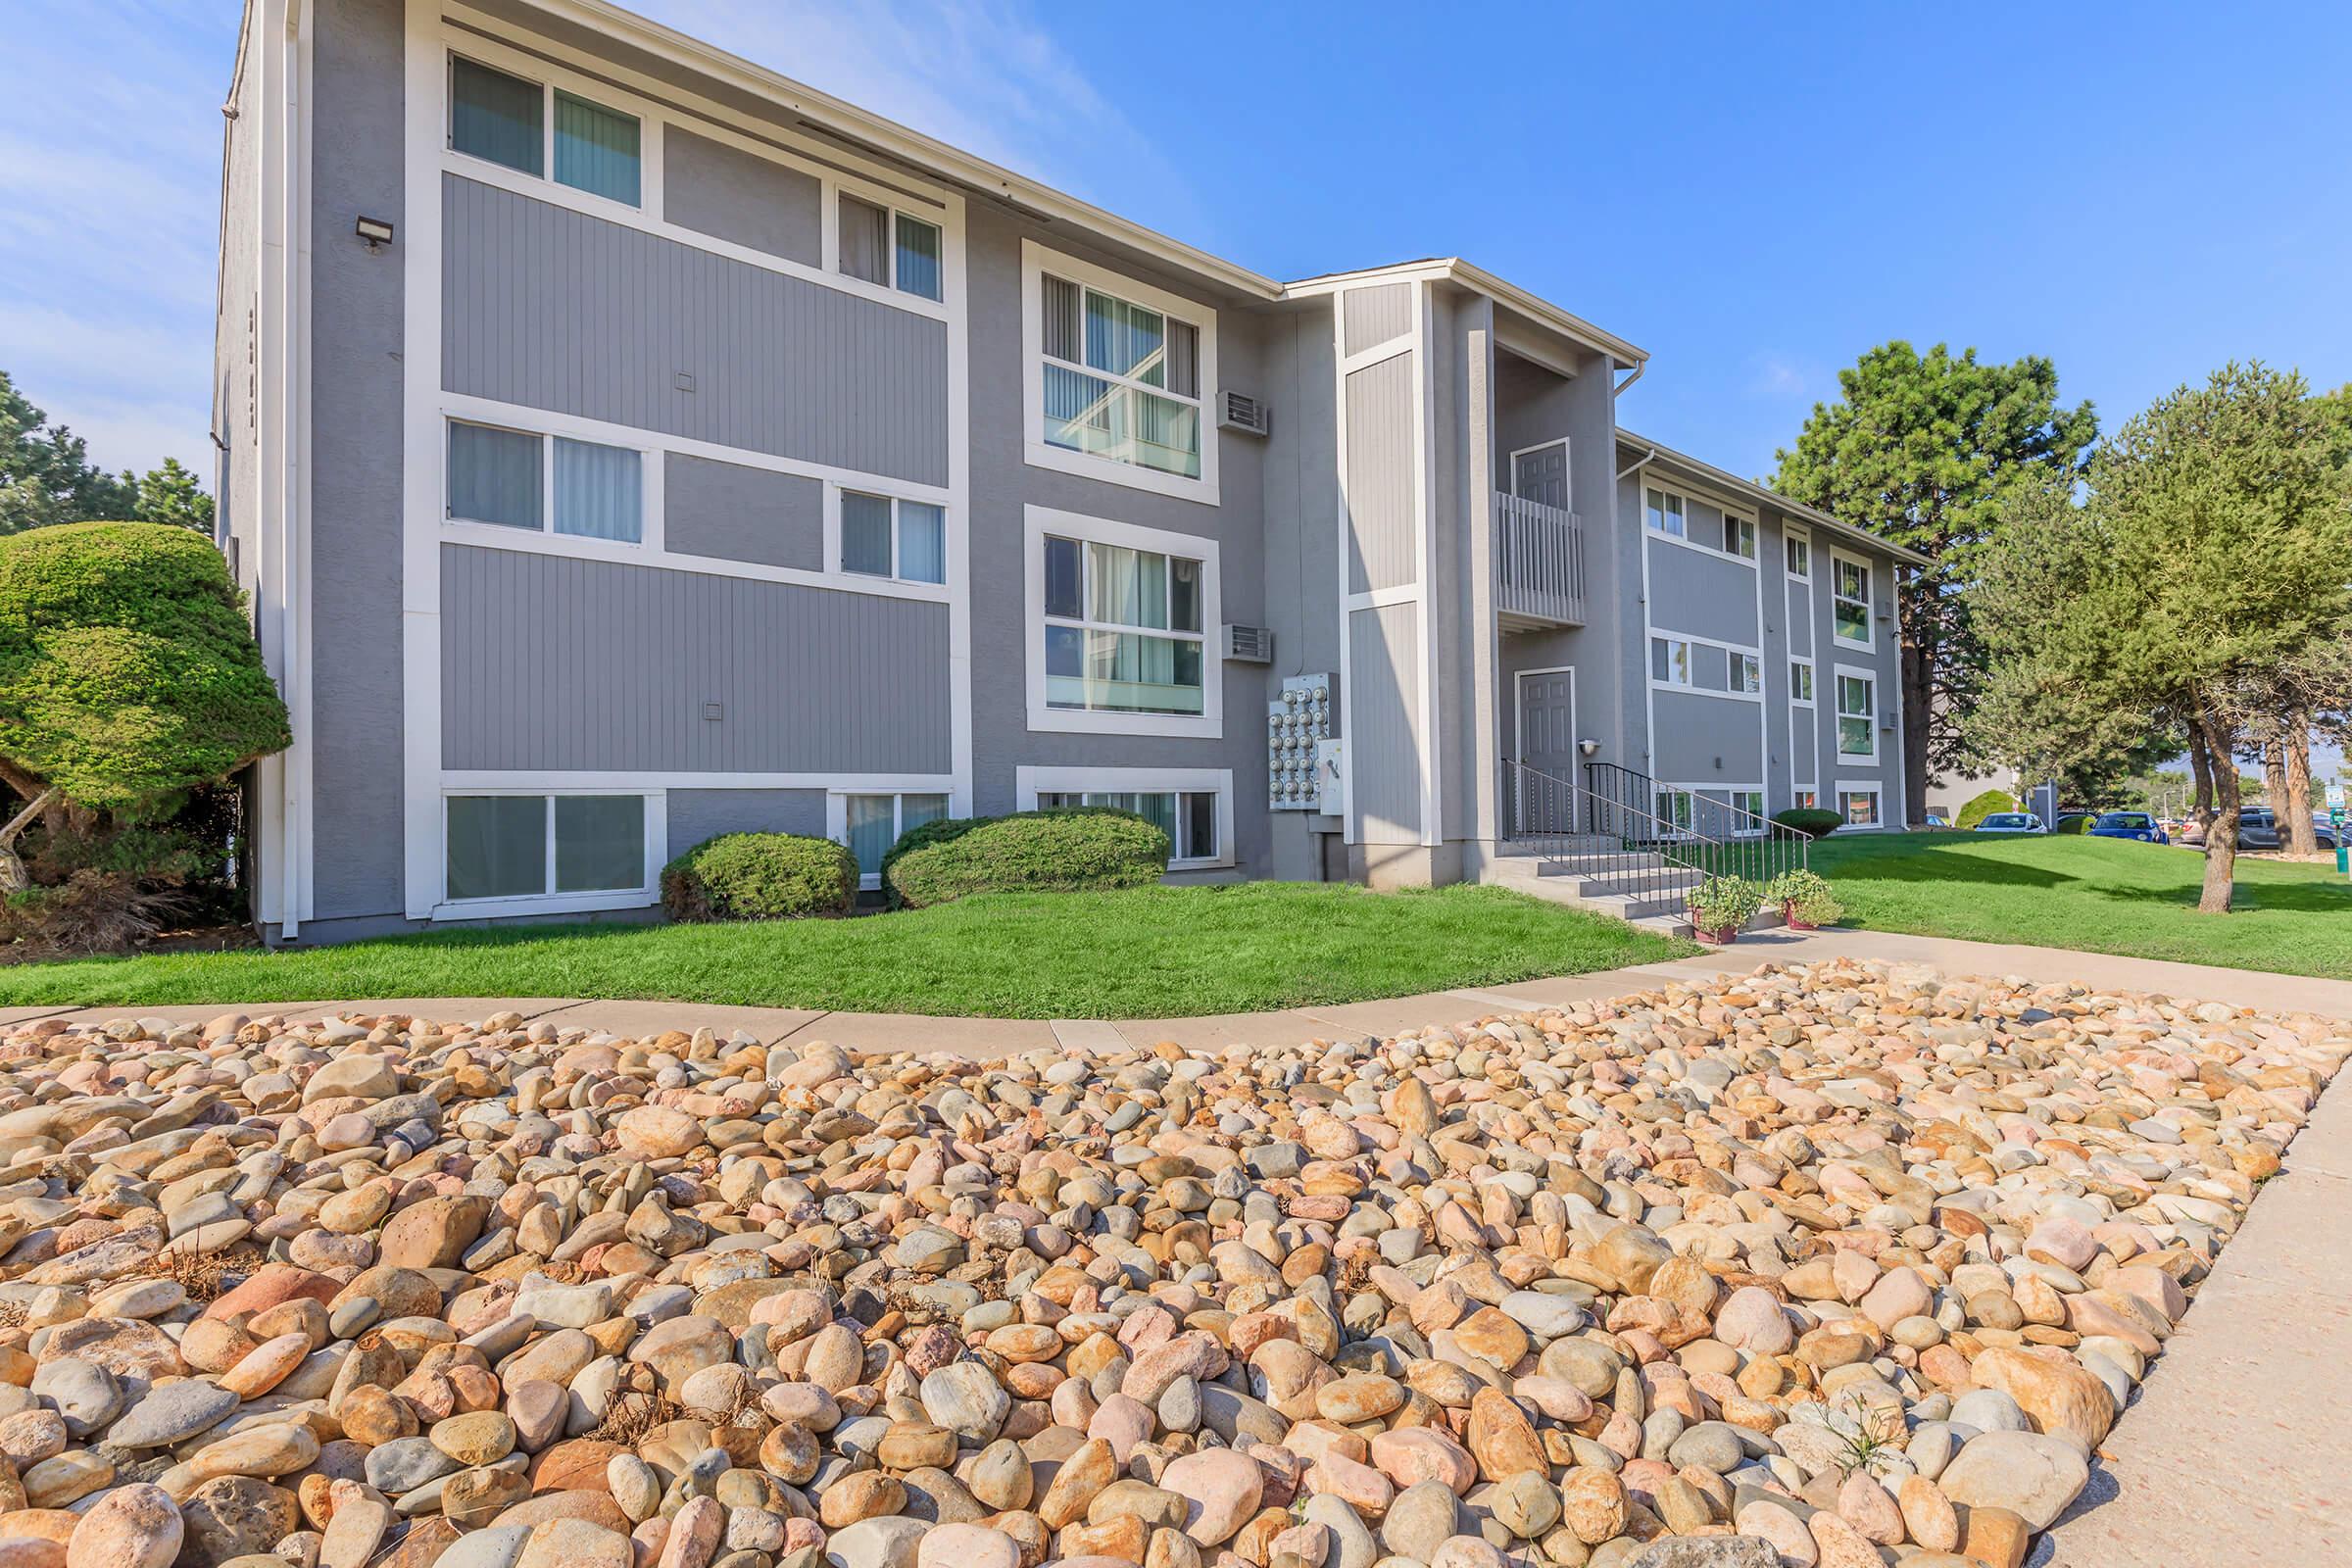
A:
1614	846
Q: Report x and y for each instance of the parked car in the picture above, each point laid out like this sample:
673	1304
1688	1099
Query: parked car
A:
2258	829
1935	819
2130	825
2011	822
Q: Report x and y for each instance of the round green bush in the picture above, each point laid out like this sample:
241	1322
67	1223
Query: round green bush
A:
759	876
2081	822
1982	807
1078	849
1811	821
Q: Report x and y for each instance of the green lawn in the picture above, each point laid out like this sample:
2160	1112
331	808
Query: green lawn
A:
1158	951
2096	894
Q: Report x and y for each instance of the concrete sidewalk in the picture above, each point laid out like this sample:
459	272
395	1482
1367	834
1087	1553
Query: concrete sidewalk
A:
992	1039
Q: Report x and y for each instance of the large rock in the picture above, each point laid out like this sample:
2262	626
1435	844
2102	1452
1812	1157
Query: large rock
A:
2059	1394
2033	1475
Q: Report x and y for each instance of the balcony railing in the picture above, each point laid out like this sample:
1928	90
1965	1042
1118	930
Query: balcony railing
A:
1538	565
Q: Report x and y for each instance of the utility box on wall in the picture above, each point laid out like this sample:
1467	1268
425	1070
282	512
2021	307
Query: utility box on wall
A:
1298	726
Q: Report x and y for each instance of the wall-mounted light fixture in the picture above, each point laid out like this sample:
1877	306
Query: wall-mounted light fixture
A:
1589	746
374	231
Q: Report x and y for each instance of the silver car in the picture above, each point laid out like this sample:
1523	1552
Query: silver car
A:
2011	822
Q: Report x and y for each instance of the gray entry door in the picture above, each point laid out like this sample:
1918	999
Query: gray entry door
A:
1540	476
1547	747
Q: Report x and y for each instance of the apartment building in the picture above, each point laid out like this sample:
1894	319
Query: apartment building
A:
624	444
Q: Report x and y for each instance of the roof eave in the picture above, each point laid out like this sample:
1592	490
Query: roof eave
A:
1723	478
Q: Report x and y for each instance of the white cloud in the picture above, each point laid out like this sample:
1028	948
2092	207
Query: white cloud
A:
1780	378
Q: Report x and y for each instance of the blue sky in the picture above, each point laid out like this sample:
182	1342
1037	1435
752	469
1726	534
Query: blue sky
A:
1755	194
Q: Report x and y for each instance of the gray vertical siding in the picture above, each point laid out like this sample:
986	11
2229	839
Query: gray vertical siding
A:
1381	400
1375	314
1706	740
699	815
737	513
551	309
355	475
1700	594
1384	749
559	664
1800	616
741	197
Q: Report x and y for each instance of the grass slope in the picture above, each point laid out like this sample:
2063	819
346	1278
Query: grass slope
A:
1146	952
2094	895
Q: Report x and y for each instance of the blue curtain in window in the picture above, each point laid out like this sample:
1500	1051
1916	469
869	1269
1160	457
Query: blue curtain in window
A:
866	533
918	258
596	148
495	116
493	475
922	542
600	491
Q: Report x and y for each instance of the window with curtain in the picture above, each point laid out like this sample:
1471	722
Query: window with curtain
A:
874	823
1122	629
495	475
884	537
917	268
528	846
1849	590
1740	537
1859	808
1855	696
497	117
1805	800
865	240
596	148
1121	381
1664	512
1189	817
600	491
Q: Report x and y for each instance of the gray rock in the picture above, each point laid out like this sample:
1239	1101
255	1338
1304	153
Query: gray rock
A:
495	1547
405	1463
1699	1551
171	1414
1545	1314
84	1393
887	1542
1710	1444
2028	1472
1351	1542
966	1399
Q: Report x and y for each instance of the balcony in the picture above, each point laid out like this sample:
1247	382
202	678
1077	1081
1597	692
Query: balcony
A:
1539	566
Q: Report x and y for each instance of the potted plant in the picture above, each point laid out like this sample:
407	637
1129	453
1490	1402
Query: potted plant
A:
1721	905
1805	900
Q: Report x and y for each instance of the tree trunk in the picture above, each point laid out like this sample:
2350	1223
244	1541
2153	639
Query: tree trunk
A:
2200	766
13	877
1918	669
2295	812
2273	778
2221	837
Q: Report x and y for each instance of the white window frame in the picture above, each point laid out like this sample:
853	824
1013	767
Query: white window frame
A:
1838	713
649	489
1667	681
891	211
837	818
1662	802
657	855
1738	798
1209	722
1877	792
1736	666
1870	626
1740	528
1686	498
1812	686
833	568
1036	261
1796	538
1681	514
1804	800
648	145
1031	782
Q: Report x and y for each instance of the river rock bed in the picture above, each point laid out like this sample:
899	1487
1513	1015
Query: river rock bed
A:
1835	1266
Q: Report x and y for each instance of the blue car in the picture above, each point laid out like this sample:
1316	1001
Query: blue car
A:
2129	826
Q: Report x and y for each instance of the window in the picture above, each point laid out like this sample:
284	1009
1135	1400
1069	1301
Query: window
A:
1739	536
1747	813
1673	810
1849	590
1858	804
893	249
1121	381
1189	817
1670	660
504	119
1855	736
1123	630
533	845
505	477
1806	800
1747	672
882	536
1800	556
1663	512
873	823
1800	681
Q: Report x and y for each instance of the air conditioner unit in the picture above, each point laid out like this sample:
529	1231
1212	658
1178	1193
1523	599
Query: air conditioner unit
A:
1249	645
1239	411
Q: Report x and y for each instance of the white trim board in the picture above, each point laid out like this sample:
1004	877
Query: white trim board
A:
1210	724
1031	782
655	848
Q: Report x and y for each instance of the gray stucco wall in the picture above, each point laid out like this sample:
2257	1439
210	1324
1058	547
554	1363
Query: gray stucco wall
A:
1003	484
551	309
699	815
1301	540
355	463
737	513
733	195
536	672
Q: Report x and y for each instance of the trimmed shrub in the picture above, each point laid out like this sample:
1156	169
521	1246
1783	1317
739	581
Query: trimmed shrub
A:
2081	822
1811	821
1805	896
759	876
1074	849
1982	807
